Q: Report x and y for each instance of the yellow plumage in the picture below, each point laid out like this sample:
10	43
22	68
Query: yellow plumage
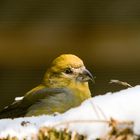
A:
65	85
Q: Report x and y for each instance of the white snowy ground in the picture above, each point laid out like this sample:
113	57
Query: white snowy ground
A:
89	119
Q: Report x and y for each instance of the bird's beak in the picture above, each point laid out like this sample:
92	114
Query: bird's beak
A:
86	75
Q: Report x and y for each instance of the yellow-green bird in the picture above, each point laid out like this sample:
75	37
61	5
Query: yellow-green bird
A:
65	85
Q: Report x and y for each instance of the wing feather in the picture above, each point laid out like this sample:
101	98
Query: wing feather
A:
19	108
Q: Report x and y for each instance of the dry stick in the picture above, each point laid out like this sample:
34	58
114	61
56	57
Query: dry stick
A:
80	121
95	109
91	121
102	112
110	122
98	110
120	83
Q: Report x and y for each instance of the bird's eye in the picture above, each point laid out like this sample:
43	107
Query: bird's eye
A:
68	71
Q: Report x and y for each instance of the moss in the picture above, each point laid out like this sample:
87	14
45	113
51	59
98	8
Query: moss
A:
121	131
52	134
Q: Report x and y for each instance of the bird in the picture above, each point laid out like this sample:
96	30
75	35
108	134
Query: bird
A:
64	86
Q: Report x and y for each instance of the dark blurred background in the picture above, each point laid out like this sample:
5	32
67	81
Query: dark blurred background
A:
105	34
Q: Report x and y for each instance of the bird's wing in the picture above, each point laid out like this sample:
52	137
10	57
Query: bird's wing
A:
19	108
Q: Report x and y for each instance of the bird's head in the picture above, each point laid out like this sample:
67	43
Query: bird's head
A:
67	68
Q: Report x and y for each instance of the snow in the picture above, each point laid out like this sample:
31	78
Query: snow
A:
89	119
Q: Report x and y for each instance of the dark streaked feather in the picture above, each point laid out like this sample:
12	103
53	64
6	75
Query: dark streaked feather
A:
19	108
